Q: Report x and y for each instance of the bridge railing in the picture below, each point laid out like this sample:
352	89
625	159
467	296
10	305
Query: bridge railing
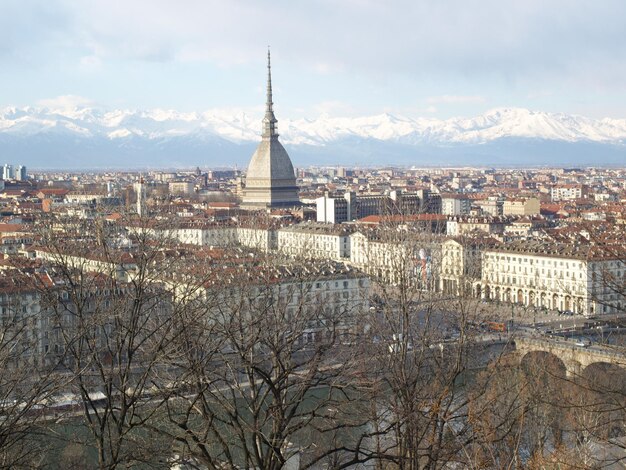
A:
565	344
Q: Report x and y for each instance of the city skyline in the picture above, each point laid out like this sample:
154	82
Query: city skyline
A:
441	60
280	235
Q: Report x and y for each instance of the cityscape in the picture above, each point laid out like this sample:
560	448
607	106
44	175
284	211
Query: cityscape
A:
451	297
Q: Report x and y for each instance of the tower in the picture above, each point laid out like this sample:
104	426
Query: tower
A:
270	181
20	174
7	172
141	197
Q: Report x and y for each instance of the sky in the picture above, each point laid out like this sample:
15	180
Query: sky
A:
418	58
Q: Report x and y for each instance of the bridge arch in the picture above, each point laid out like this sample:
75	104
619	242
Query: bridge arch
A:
603	384
609	376
538	361
575	357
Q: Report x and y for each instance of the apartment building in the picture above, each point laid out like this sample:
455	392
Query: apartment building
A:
568	192
353	206
460	226
315	240
330	295
461	264
578	278
455	204
409	259
521	206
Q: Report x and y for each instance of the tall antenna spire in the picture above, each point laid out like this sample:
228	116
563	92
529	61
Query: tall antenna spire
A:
269	121
269	82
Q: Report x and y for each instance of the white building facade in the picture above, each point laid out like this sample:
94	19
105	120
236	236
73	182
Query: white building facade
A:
554	277
406	260
315	240
567	192
455	205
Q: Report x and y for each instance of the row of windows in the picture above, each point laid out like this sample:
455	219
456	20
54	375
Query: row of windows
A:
532	261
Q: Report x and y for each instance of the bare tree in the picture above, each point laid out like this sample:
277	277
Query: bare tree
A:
27	384
265	364
109	319
424	349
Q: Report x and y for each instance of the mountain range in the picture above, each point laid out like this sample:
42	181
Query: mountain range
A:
87	137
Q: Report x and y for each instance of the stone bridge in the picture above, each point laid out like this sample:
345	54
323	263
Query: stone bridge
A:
575	358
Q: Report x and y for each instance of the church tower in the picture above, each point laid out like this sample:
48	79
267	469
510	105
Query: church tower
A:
270	180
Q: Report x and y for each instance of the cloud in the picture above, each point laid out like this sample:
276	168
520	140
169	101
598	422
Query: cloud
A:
65	102
455	99
334	108
509	39
30	29
570	46
512	40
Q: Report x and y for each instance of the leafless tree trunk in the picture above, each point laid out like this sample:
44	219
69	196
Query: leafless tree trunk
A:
265	366
109	321
27	384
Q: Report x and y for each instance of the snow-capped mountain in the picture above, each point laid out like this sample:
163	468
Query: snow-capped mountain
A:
92	137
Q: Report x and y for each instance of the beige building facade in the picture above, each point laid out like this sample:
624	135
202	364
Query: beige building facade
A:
554	277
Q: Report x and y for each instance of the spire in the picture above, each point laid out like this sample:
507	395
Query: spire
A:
269	121
269	103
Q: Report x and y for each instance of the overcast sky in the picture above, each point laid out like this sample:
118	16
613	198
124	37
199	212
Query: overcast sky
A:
438	58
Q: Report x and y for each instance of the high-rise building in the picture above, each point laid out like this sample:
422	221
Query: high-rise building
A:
270	181
455	204
7	172
20	174
336	210
140	190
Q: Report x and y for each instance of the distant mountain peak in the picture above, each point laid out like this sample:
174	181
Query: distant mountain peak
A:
80	130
